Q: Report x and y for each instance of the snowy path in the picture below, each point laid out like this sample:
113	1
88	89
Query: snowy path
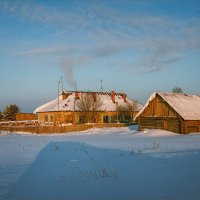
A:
110	163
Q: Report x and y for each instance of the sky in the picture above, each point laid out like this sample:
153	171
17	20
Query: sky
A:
134	46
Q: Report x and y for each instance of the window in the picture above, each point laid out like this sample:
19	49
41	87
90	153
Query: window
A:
81	119
69	119
127	118
51	118
46	118
106	119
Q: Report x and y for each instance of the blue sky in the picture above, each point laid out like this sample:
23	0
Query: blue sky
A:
135	46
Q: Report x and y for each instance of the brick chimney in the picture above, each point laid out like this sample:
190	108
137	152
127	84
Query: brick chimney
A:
94	94
77	95
113	96
64	95
124	97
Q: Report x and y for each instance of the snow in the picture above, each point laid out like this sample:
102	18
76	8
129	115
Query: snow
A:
100	163
69	104
188	106
156	133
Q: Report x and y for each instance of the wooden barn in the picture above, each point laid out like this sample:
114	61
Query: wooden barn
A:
175	112
113	107
25	116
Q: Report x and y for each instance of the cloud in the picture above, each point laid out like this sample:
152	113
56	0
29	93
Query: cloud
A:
163	44
43	13
40	51
157	62
145	42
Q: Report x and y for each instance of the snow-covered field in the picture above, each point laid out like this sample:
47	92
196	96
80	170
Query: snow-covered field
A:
108	163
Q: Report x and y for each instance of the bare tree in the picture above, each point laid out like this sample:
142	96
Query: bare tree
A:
127	110
122	112
132	107
177	90
89	105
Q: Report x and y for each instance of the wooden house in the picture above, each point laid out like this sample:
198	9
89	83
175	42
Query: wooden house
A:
175	112
65	109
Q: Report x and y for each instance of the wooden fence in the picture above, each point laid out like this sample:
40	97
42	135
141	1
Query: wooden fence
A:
57	129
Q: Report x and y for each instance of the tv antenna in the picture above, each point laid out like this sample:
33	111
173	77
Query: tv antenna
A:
101	85
61	81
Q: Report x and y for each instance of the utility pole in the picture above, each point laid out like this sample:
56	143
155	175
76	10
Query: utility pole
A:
75	85
117	112
58	93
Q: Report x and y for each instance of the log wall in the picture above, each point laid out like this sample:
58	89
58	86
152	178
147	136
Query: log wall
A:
62	117
166	123
192	126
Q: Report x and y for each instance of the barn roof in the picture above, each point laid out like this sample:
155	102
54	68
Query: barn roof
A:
68	104
187	106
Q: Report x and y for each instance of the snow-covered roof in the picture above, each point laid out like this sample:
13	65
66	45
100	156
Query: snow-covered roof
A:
187	106
69	102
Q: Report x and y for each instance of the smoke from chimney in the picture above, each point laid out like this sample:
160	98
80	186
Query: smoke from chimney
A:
67	68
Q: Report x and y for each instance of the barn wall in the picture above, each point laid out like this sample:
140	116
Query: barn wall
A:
173	125
159	108
170	124
192	126
159	115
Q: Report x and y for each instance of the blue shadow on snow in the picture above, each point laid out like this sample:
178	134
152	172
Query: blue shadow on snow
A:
73	170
